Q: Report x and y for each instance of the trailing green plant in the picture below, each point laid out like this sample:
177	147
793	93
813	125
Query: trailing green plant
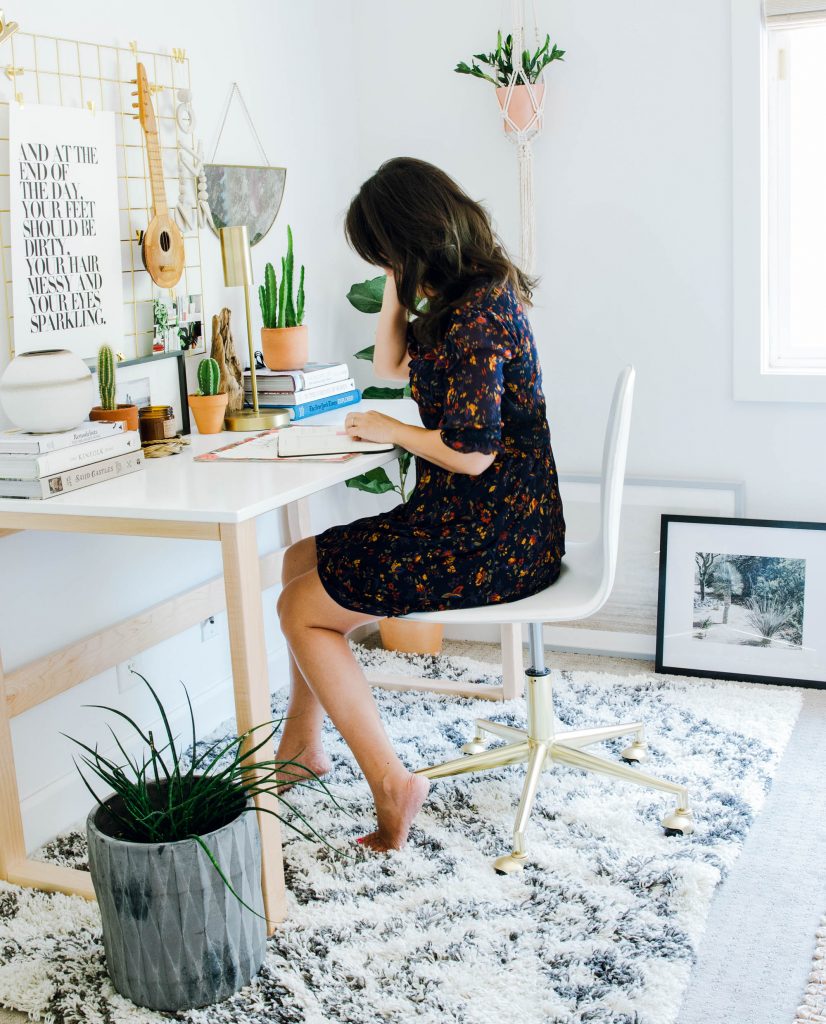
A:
500	62
209	377
106	377
367	297
278	307
162	797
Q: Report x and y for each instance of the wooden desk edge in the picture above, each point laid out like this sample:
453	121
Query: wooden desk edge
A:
13	522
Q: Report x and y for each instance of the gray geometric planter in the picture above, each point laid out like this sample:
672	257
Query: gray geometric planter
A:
175	936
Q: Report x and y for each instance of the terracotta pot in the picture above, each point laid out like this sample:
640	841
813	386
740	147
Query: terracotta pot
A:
520	108
411	637
285	348
126	414
209	412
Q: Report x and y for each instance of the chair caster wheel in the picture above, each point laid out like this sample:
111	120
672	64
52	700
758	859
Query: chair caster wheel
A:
475	746
510	864
636	753
679	823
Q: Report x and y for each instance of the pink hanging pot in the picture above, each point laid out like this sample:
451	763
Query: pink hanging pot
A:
525	102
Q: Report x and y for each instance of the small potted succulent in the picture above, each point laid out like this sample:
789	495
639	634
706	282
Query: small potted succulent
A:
396	634
175	859
109	409
527	91
209	405
284	340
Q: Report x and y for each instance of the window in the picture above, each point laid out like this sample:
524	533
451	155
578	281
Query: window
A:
779	199
795	76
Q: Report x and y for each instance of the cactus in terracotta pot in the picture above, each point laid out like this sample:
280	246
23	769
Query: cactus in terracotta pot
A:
209	405
284	340
109	409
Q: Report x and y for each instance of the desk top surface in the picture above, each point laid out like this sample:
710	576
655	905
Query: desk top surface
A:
179	489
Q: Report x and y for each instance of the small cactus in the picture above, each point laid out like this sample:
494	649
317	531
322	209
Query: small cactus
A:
278	307
209	377
106	377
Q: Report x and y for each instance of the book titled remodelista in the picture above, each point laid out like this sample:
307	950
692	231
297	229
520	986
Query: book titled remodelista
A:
19	442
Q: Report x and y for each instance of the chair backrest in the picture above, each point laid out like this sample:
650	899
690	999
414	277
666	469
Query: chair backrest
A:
614	458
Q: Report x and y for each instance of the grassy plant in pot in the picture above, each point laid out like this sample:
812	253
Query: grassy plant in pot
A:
175	860
396	634
109	409
284	340
208	405
527	92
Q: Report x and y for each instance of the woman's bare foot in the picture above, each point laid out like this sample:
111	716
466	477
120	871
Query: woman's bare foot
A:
397	804
311	762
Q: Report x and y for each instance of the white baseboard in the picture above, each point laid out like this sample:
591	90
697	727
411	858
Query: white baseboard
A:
65	801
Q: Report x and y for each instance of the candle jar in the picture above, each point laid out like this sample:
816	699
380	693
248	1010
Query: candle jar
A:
157	423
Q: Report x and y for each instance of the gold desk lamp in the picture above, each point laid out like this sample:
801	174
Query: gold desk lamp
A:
235	255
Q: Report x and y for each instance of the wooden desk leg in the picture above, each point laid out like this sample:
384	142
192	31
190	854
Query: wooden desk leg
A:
12	847
242	581
513	671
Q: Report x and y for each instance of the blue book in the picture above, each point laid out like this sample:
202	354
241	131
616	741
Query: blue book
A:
304	409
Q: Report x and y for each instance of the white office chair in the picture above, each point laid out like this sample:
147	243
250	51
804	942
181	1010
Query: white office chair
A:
588	571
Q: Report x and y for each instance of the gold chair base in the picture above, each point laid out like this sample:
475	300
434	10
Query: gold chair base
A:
539	746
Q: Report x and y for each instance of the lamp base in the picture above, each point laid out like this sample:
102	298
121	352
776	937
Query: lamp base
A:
249	419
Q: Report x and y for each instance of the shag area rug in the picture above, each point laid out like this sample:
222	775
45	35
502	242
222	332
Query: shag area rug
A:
813	1008
601	927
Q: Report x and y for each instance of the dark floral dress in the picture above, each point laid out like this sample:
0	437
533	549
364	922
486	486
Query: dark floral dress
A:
461	541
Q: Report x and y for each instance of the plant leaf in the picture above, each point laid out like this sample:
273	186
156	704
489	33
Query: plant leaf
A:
367	296
376	392
367	353
374	481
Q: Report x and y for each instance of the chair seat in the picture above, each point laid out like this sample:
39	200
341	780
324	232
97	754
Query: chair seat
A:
577	594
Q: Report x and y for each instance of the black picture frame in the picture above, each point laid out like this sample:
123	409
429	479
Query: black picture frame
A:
659	663
179	369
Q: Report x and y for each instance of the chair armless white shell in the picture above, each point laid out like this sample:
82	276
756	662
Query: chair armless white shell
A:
583	587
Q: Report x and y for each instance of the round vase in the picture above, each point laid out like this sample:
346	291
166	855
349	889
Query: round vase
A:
209	412
175	937
47	391
411	637
285	348
521	108
126	414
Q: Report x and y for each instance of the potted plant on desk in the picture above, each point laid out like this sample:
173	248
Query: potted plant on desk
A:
175	860
109	409
396	634
208	405
284	339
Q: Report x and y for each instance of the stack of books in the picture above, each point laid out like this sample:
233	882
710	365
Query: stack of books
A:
42	465
316	388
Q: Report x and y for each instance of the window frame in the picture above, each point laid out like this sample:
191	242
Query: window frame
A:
750	228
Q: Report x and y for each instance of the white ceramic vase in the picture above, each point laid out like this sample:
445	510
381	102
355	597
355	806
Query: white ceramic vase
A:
45	391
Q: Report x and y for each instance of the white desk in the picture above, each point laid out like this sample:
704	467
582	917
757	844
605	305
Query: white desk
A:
172	497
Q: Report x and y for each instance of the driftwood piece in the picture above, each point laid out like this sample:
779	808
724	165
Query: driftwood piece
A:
224	354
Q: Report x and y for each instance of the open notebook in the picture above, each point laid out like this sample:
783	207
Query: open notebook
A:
325	443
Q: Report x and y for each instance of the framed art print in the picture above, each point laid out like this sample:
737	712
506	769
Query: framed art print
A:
742	599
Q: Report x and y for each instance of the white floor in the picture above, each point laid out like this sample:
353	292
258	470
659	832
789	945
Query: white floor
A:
756	955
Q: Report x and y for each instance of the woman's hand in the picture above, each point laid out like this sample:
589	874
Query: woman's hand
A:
372	426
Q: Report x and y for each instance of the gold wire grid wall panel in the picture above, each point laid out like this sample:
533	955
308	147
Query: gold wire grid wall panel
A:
72	73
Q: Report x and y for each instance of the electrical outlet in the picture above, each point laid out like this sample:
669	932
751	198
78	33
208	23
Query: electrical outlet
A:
126	676
209	628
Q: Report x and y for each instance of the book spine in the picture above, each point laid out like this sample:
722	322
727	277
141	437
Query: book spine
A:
299	380
95	473
301	412
28	444
77	455
299	397
331	375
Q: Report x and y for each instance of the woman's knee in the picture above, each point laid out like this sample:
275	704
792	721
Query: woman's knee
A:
298	559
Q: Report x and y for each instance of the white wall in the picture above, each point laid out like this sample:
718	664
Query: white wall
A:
633	193
55	589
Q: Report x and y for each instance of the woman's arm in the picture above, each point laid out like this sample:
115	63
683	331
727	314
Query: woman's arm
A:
391	359
375	426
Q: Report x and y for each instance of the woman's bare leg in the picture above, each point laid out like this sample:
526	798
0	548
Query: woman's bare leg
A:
301	736
316	628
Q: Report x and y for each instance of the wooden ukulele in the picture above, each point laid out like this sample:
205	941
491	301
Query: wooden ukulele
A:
163	244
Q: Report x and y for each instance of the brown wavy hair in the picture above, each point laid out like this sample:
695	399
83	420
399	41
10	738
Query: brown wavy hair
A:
413	217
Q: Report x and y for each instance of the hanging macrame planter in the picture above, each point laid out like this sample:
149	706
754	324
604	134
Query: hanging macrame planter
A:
519	78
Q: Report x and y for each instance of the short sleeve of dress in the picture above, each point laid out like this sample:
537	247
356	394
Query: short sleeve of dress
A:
476	348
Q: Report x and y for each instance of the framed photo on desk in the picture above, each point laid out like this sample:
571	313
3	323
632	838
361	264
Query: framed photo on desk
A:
154	380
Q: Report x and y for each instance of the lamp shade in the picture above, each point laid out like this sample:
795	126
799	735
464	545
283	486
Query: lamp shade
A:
235	255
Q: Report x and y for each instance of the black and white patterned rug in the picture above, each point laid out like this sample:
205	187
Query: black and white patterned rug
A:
601	927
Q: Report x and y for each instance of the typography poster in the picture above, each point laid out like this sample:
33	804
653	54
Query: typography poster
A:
65	229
